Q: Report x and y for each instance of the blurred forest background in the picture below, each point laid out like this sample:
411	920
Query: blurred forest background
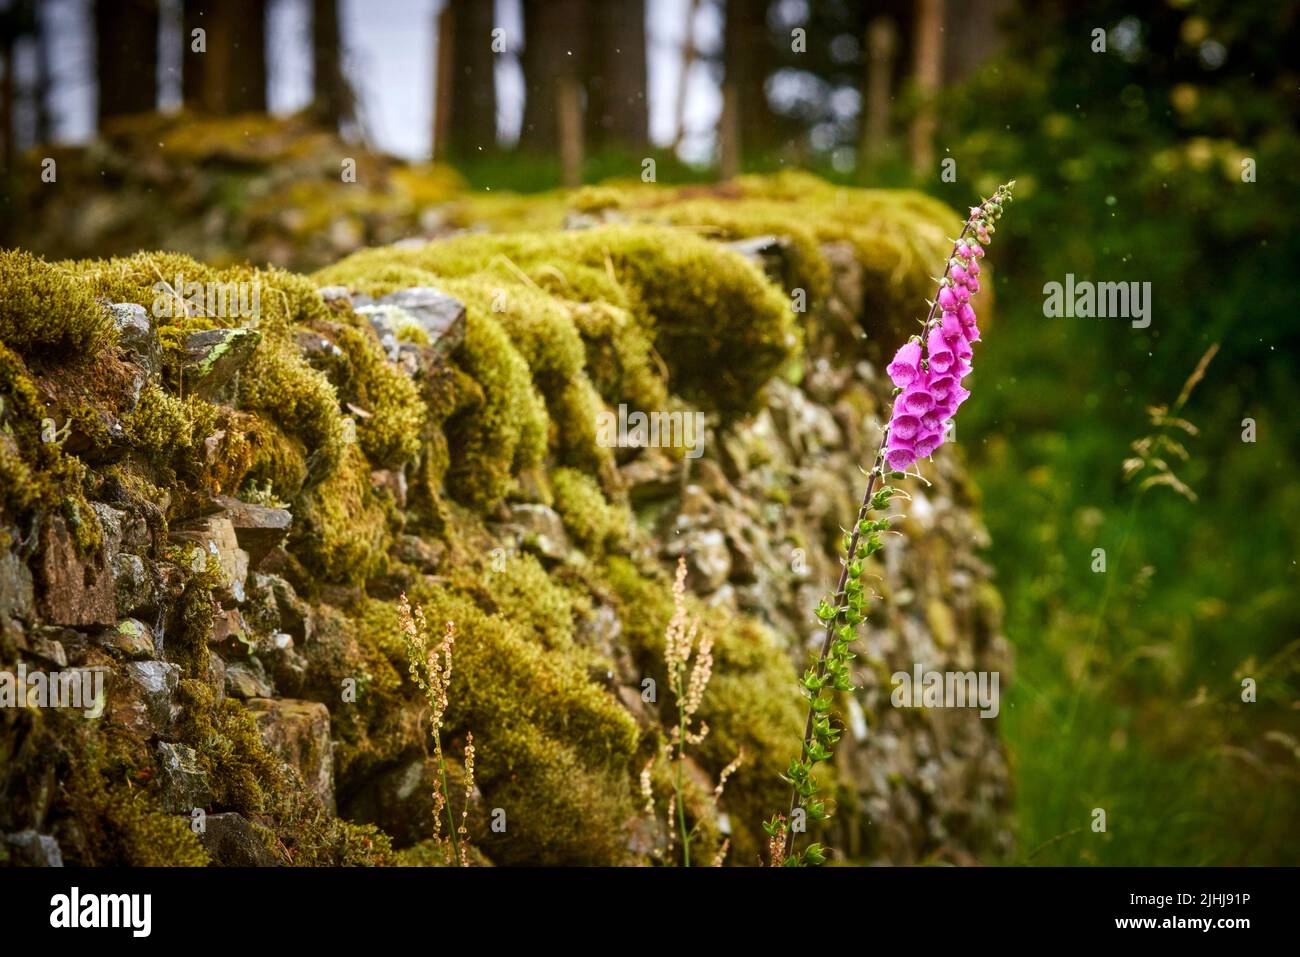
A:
1171	157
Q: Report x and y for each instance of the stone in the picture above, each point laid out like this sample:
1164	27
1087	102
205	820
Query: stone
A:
708	561
134	585
47	643
29	849
142	697
336	297
183	781
137	335
247	679
231	841
123	530
539	529
78	591
285	665
399	799
771	254
216	535
258	528
392	481
299	734
17	588
651	478
131	638
295	614
213	357
230	632
441	316
424	555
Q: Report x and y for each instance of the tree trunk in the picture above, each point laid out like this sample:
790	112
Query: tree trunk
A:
617	115
229	77
928	74
332	103
471	127
746	54
882	44
126	57
555	53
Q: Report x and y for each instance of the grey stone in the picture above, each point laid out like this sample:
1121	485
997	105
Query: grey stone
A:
182	780
135	586
214	357
145	701
137	335
29	849
771	254
539	529
231	841
258	528
131	638
17	589
708	561
299	733
438	314
216	535
247	679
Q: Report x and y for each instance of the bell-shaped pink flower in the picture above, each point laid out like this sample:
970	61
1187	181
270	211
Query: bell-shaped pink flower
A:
917	400
925	444
941	354
906	366
952	328
941	386
899	457
947	299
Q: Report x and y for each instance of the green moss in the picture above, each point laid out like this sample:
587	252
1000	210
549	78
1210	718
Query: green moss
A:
163	426
38	474
190	620
342	527
46	312
721	327
508	431
592	521
554	750
620	356
526	596
807	266
131	830
391	427
279	384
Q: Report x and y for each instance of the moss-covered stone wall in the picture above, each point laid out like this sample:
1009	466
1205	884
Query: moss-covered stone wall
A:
217	512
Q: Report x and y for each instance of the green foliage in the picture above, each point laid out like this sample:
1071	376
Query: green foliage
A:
1130	167
593	522
722	329
46	313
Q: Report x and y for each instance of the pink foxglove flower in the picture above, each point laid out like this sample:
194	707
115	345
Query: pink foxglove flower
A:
906	365
929	371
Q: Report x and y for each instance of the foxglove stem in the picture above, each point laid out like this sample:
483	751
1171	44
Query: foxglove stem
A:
906	358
